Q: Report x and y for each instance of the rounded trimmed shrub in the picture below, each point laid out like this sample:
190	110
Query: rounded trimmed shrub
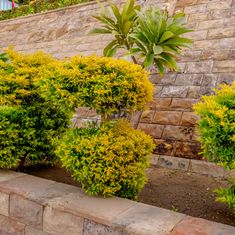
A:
110	160
105	84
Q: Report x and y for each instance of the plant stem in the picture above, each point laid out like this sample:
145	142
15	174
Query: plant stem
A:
128	48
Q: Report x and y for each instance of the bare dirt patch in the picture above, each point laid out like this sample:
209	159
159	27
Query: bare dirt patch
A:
188	193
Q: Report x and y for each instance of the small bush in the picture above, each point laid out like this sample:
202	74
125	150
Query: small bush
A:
28	122
217	126
217	134
109	160
105	84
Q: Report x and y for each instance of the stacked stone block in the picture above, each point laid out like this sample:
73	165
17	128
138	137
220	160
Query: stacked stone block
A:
35	206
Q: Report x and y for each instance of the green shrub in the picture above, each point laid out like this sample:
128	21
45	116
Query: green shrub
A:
109	160
36	121
216	126
105	84
217	133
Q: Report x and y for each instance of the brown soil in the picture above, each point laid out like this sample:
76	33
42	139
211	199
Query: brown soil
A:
188	193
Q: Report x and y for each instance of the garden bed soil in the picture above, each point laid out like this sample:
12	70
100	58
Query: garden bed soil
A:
184	192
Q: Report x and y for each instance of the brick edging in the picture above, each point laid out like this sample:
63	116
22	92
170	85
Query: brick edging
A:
190	165
31	205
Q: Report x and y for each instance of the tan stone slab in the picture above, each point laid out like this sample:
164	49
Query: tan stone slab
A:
9	226
25	210
91	228
222	229
173	163
55	190
99	209
24	185
167	117
193	226
206	168
4	204
151	129
6	175
60	222
147	220
33	231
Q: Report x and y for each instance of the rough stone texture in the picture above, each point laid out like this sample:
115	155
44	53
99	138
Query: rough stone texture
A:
174	163
210	61
147	220
196	226
193	226
91	228
9	226
33	231
4	204
99	209
24	210
24	185
206	168
151	129
8	175
191	165
59	222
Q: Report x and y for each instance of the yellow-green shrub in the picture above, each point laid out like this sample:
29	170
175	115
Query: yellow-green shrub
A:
217	133
217	126
105	84
34	120
227	195
109	160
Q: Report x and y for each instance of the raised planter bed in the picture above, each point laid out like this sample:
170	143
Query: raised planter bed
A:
32	205
180	190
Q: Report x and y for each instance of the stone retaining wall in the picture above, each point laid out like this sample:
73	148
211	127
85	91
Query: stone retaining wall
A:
34	206
169	119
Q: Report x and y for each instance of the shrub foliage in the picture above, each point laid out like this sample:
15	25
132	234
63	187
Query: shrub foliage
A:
33	120
217	133
109	160
105	84
216	126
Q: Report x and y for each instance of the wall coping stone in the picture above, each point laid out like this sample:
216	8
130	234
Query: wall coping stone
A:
190	165
76	210
80	5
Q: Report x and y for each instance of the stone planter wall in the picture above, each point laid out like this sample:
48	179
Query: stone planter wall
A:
169	119
35	206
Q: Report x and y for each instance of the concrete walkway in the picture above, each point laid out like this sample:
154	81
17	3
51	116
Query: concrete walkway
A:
34	206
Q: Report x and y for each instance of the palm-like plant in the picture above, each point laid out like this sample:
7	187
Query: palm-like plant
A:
119	23
151	34
158	38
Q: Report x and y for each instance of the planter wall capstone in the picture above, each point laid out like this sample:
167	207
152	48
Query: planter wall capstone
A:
34	206
169	119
